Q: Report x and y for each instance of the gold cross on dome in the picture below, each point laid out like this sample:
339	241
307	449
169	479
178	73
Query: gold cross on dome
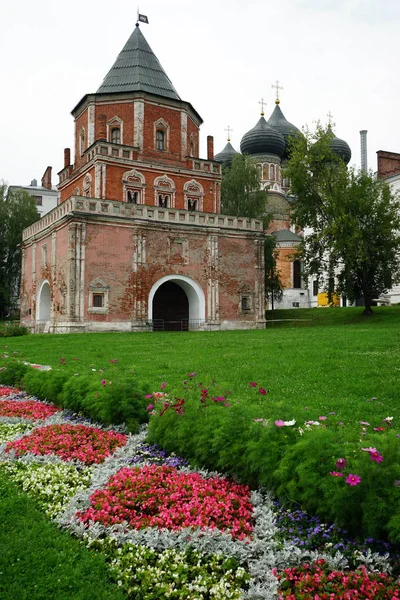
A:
229	130
263	103
277	87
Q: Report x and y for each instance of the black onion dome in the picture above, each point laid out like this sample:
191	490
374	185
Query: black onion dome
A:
263	139
341	148
227	154
278	121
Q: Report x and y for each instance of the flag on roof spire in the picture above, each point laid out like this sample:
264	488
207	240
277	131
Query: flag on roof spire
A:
142	18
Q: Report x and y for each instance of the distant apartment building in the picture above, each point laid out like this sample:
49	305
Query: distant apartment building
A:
45	195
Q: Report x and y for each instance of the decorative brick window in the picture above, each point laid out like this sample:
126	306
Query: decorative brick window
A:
246	299
87	186
98	297
115	135
134	186
164	192
161	135
115	130
160	139
193	195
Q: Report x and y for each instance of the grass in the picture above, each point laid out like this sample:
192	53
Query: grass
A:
342	358
38	561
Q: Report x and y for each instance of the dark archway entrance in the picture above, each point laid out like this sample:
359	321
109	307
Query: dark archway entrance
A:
170	308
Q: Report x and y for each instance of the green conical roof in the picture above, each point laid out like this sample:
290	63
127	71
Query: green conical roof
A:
137	69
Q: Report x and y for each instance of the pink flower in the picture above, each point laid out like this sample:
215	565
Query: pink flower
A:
336	474
322	418
280	423
364	423
148	396
163	385
149	407
262	391
104	382
376	456
370	449
253	384
340	464
353	480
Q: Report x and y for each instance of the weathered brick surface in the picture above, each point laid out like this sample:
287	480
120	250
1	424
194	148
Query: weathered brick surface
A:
388	163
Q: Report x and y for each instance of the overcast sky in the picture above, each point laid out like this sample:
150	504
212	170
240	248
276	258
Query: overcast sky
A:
338	56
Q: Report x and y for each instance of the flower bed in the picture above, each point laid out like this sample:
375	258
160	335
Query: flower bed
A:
320	582
170	532
71	442
154	496
28	409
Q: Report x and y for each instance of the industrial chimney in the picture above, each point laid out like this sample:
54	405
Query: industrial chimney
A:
363	136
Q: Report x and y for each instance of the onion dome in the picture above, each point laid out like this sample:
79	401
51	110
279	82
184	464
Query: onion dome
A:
340	148
263	139
277	121
227	154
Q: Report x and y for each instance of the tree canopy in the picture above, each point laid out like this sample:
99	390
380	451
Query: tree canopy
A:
241	195
17	211
351	220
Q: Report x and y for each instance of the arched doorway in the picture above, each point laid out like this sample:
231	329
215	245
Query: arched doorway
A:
176	303
43	310
170	308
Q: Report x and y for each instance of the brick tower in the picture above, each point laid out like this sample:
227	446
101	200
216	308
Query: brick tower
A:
137	240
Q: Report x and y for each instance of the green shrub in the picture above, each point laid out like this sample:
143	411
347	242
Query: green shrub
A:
46	385
12	330
121	400
293	461
12	372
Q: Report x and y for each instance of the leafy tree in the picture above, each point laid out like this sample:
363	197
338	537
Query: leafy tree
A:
17	211
240	190
241	196
354	220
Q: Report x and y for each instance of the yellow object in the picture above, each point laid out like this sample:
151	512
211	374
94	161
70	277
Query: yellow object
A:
323	300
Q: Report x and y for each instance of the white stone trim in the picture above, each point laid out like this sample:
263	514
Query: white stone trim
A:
134	181
91	116
184	120
138	125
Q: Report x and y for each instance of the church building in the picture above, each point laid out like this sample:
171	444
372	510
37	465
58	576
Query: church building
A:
268	145
137	241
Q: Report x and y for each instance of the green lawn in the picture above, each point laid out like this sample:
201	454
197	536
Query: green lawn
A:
336	357
40	562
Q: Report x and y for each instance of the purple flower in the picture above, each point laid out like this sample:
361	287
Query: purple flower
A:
340	464
262	391
104	382
336	474
353	480
253	384
149	407
280	423
163	385
148	396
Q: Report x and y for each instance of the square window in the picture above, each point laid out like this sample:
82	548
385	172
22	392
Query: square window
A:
98	300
